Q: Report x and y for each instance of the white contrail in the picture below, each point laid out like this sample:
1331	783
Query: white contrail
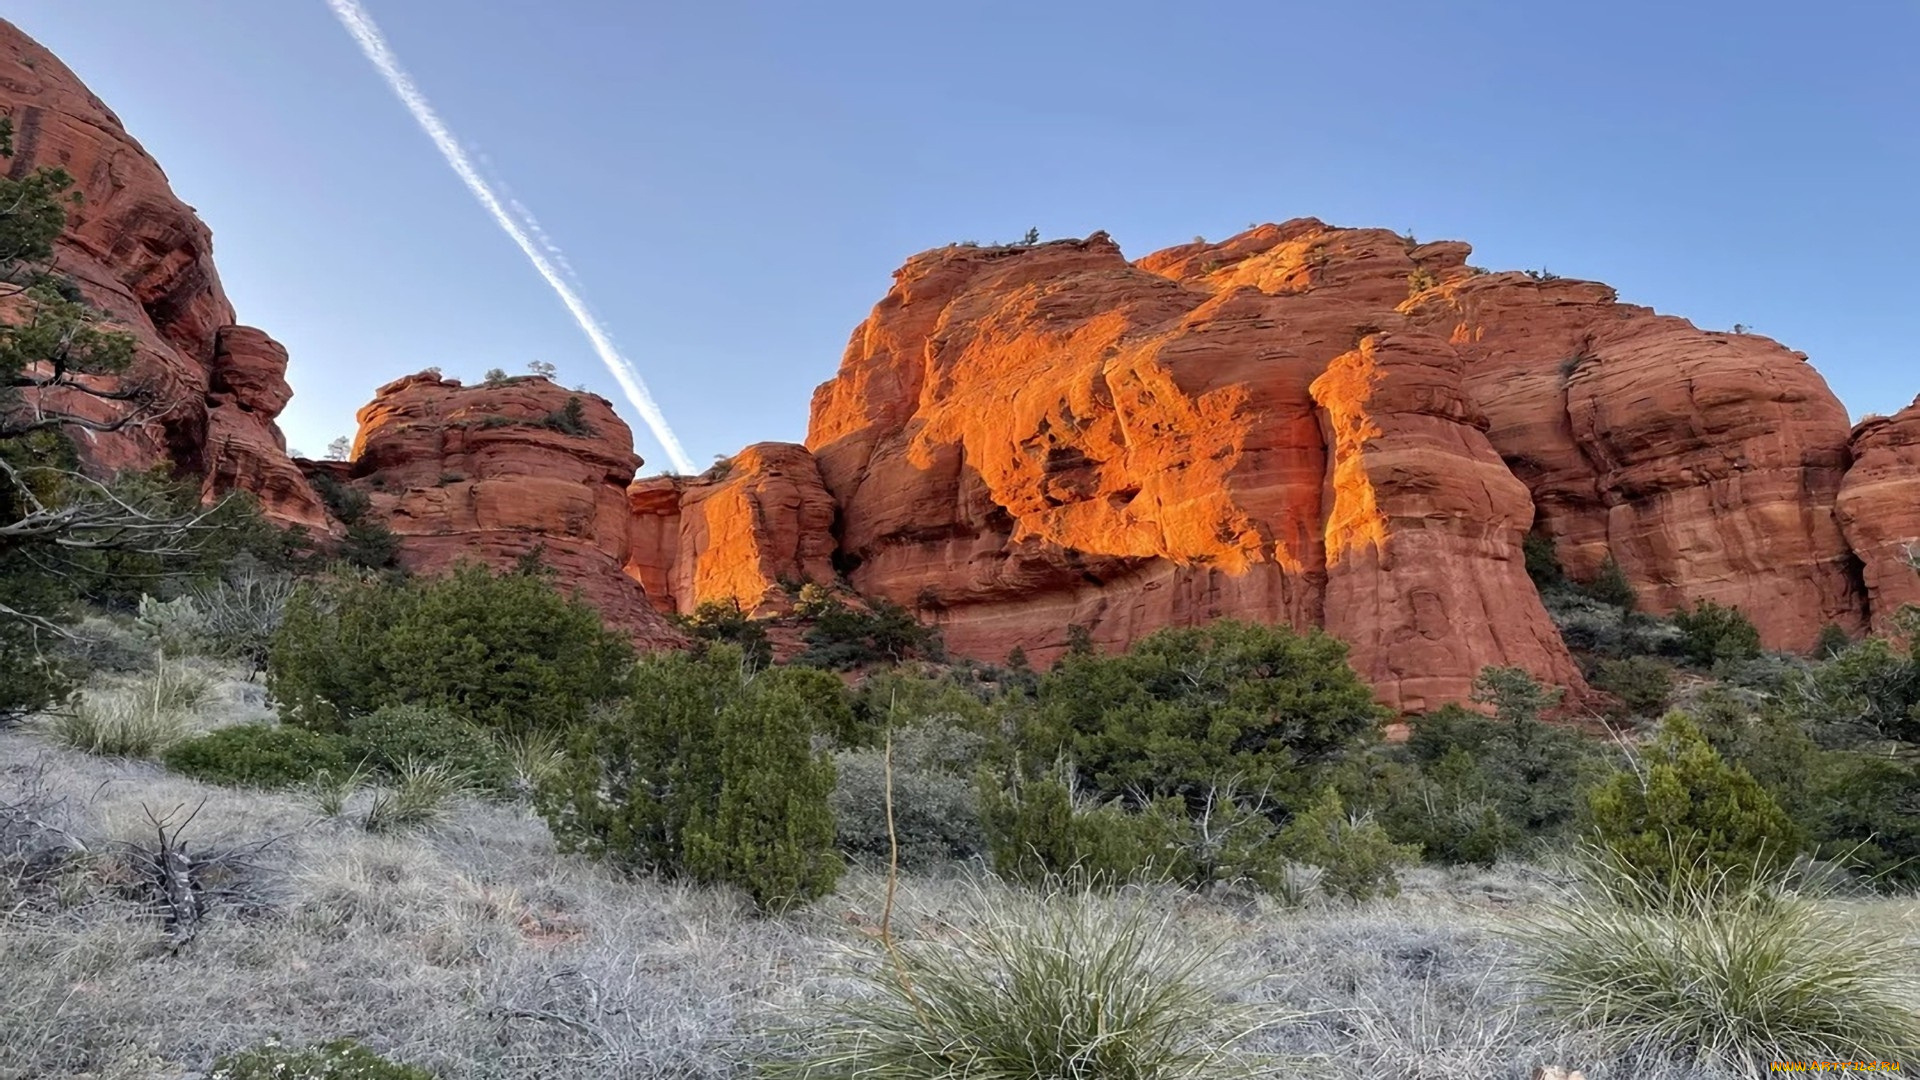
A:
540	253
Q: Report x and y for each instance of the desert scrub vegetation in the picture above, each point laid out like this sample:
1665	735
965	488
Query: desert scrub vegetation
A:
1060	984
257	755
709	772
477	949
141	717
1727	972
341	1059
506	651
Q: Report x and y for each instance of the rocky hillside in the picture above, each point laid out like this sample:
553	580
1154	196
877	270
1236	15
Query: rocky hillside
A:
1302	423
138	253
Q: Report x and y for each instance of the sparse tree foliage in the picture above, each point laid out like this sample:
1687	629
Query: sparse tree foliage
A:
62	369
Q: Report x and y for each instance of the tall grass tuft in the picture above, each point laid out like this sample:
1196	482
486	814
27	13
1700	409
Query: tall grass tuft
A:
328	790
1070	985
421	795
118	724
1724	977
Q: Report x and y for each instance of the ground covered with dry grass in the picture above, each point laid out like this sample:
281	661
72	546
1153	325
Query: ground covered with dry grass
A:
469	947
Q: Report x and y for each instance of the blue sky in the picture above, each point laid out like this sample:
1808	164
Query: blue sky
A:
735	182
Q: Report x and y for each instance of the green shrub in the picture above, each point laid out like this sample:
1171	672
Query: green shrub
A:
506	651
1483	786
569	419
1543	561
1867	695
1833	641
342	1059
709	772
1610	586
843	637
936	816
1042	831
1357	858
725	620
1736	981
1061	985
257	755
1448	808
1185	707
1717	635
368	542
1683	819
1643	685
389	738
1591	626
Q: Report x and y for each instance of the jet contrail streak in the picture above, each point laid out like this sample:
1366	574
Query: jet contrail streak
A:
539	252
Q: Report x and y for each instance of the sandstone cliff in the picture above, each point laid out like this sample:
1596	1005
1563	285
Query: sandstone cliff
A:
493	473
138	253
1880	509
1327	426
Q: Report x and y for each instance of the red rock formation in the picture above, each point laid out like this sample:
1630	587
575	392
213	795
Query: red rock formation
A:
1880	509
490	473
1027	438
1706	463
139	254
1421	526
735	534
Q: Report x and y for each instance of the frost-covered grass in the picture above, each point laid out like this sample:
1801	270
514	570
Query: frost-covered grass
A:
471	948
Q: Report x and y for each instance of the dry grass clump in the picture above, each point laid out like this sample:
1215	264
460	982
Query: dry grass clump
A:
118	724
421	795
1730	979
140	717
1015	986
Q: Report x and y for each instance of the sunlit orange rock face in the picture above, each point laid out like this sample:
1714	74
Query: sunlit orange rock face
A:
492	473
140	255
760	520
1880	509
1318	426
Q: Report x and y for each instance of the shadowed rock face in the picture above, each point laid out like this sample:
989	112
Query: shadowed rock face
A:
138	253
495	473
1880	509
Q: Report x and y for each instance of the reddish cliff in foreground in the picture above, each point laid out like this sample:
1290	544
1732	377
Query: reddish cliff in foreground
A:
139	254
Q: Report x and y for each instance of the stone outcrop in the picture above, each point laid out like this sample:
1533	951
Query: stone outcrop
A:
760	520
1706	463
1880	509
495	473
141	256
1335	427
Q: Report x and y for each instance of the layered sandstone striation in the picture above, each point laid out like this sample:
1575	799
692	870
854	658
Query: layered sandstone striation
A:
141	256
1879	509
1323	426
499	472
